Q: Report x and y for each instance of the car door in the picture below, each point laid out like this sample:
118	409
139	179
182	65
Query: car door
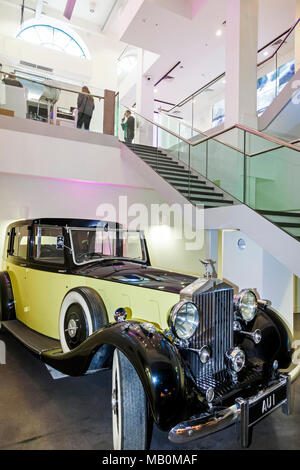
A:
47	282
17	267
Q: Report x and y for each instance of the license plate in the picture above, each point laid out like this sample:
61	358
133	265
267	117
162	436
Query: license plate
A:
263	406
256	408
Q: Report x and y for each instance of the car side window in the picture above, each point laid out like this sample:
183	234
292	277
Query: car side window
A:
45	245
20	242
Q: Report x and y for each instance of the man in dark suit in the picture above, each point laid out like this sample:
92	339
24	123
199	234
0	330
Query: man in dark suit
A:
128	124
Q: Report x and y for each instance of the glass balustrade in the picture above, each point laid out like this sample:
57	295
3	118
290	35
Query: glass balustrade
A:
252	167
205	109
34	97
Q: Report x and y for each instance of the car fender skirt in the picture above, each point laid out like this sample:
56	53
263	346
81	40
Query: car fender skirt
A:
157	361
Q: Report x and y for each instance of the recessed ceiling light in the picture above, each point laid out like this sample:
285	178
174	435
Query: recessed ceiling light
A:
219	32
224	81
266	53
155	90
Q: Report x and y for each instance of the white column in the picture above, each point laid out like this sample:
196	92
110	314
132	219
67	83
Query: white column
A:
241	62
297	37
144	102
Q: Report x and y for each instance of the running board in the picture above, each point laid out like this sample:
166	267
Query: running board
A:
35	342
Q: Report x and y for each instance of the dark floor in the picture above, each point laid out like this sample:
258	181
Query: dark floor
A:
37	412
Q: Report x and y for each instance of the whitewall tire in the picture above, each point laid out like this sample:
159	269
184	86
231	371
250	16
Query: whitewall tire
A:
130	423
81	314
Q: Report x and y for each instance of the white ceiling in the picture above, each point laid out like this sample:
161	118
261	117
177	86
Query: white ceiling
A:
82	9
194	42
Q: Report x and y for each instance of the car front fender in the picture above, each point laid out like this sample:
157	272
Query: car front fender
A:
166	381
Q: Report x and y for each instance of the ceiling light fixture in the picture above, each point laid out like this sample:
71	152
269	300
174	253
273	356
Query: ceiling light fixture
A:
219	32
266	53
92	7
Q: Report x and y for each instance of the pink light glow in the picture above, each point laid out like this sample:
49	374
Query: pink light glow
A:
69	8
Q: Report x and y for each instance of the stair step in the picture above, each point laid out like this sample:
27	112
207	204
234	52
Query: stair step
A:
176	173
287	224
279	213
151	154
142	147
163	161
194	194
205	199
211	204
184	186
166	166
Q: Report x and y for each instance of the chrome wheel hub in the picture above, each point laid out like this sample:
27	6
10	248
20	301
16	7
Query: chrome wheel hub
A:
72	328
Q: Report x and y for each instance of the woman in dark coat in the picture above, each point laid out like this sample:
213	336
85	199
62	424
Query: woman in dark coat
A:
86	106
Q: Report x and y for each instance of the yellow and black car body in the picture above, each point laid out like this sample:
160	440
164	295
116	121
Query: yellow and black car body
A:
190	385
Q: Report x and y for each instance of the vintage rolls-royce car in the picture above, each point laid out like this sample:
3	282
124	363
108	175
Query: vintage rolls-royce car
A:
184	351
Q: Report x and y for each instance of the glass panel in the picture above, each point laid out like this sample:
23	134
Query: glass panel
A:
266	84
45	245
30	35
209	106
226	164
286	62
187	116
198	158
20	242
173	146
45	34
273	182
96	244
256	144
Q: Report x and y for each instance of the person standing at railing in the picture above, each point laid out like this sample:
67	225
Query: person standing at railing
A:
86	106
127	124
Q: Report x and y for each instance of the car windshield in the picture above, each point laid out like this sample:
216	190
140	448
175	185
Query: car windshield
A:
94	244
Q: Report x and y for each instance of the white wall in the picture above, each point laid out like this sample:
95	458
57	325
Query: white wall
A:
254	267
31	197
100	72
33	154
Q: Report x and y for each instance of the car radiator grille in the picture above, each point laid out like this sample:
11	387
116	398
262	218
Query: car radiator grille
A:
215	330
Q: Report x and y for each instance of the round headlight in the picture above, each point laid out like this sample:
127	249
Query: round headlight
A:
184	319
236	359
246	304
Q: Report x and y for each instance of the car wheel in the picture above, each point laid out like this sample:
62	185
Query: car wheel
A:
7	304
130	423
82	313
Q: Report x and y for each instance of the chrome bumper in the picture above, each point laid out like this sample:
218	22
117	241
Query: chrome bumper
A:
210	423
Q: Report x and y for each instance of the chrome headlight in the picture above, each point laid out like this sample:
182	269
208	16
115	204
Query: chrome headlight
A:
236	359
246	304
184	319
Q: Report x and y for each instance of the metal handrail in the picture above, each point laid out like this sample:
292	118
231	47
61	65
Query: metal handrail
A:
52	86
279	142
211	82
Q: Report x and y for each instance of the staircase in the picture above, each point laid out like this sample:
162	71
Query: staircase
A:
287	221
191	185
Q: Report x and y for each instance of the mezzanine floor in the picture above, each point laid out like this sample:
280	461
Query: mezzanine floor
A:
37	412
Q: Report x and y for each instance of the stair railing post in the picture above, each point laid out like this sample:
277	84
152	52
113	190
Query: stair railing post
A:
206	159
245	172
276	65
189	187
156	148
178	153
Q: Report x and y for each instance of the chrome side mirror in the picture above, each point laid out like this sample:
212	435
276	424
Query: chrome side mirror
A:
60	243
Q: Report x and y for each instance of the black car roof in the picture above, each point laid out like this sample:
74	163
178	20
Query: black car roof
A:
90	223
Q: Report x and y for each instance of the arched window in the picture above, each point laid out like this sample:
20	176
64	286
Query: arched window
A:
54	35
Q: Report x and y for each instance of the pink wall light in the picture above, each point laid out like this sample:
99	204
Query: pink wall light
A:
69	8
